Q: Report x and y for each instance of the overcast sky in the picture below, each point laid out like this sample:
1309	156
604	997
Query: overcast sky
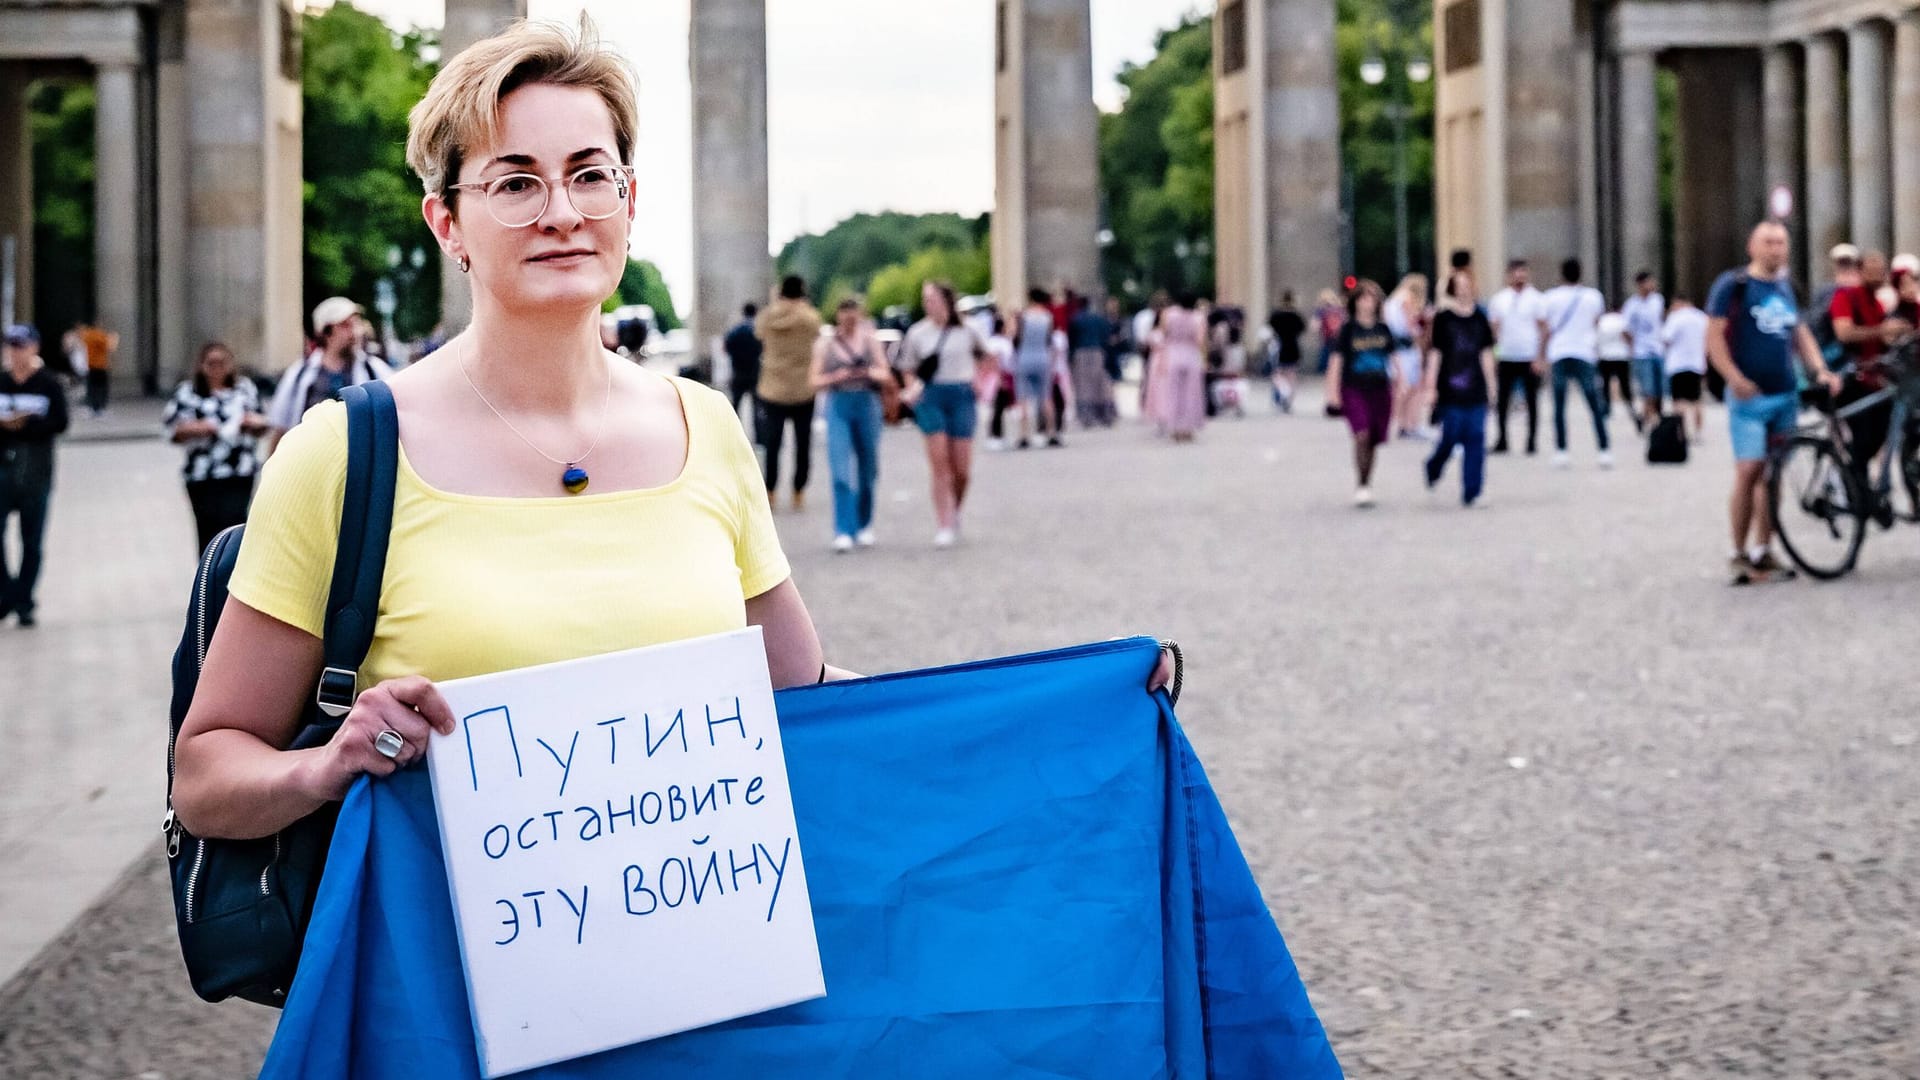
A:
872	104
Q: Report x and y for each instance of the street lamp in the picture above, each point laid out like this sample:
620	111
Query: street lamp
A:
1374	71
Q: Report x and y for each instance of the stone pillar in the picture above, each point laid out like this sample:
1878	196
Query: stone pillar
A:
1047	207
1785	161
16	188
1718	187
1302	120
1543	185
174	333
116	218
1906	133
731	263
1869	135
1826	196
242	155
1639	164
466	22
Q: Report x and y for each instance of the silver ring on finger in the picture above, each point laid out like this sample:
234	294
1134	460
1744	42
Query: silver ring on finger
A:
388	744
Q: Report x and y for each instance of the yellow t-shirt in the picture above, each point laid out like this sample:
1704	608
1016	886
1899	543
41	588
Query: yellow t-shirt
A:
478	584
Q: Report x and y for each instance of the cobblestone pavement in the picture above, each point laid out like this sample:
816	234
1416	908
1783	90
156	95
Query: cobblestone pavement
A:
1531	791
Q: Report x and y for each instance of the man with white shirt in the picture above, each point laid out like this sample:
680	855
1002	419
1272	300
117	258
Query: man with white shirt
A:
1646	315
1570	328
1515	314
1683	338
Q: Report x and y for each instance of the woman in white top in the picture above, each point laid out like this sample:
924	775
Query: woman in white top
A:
1615	353
1405	315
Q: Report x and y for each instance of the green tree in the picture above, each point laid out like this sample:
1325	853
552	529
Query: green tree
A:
642	283
968	270
62	125
1156	167
845	258
359	78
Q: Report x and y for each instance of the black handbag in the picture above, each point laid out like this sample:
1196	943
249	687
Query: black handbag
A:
242	905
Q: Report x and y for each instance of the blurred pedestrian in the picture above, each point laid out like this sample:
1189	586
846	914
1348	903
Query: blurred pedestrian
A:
216	415
339	360
1405	313
1515	312
1287	325
99	345
1646	315
1183	358
789	328
1360	378
1460	380
848	366
1570	324
1614	351
946	353
33	411
743	351
1033	371
1087	333
1329	315
1683	340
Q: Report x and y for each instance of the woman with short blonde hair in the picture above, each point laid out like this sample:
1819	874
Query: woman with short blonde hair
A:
553	501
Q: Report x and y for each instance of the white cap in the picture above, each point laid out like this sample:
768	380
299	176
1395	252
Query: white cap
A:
333	311
1844	252
1906	262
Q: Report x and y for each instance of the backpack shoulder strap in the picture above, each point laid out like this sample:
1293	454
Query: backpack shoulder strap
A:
360	559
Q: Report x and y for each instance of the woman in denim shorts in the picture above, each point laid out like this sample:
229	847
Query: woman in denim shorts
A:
942	351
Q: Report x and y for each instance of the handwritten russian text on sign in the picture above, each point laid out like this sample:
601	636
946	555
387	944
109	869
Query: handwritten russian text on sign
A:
620	843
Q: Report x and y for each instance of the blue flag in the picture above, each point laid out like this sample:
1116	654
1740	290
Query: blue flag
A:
1017	867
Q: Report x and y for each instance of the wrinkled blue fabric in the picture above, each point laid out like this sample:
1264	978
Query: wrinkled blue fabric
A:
1018	870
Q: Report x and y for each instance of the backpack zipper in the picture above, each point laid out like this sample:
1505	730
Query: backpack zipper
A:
193	875
268	869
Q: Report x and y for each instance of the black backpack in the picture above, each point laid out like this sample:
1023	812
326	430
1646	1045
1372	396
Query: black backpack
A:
242	905
1667	444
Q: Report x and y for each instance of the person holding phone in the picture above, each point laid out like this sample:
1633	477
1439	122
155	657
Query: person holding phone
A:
33	412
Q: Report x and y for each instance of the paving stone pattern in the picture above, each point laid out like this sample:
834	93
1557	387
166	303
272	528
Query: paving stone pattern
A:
1531	791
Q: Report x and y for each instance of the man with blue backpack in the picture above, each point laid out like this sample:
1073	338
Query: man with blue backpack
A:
1754	331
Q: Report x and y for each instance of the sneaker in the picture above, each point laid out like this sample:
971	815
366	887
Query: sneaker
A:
944	538
866	538
1606	459
799	501
1498	448
842	544
996	445
1055	441
1363	497
1773	568
27	619
1560	460
1477	504
1024	444
1742	571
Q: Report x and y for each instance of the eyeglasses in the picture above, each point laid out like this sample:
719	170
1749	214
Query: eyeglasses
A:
517	200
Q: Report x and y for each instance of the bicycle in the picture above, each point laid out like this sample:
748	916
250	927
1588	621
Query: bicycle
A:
1832	497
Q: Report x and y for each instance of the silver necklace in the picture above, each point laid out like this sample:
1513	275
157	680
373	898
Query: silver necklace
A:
574	478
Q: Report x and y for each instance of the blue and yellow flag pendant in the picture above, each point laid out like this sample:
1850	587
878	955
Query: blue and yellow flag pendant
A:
574	479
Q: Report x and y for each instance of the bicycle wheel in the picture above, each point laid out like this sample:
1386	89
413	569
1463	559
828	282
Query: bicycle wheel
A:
1817	505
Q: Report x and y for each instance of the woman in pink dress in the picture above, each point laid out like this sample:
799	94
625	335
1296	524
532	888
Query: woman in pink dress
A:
1182	398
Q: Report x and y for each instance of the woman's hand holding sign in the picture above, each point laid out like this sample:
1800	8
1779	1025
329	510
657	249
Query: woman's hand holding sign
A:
386	731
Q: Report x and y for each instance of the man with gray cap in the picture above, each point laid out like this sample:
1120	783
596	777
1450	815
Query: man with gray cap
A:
339	361
33	410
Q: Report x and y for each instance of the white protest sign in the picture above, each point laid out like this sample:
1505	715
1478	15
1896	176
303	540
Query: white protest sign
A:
620	843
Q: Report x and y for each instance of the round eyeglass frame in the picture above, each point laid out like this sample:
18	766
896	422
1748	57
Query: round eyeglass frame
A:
623	174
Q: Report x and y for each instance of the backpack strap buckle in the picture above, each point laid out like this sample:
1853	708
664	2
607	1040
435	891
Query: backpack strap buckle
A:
335	696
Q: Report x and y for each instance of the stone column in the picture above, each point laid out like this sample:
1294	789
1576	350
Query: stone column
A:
1302	119
1543	184
16	189
1906	133
731	264
468	21
1869	135
1639	164
1049	150
1785	162
1826	196
116	219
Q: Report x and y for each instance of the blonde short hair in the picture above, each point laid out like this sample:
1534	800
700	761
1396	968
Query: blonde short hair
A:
461	110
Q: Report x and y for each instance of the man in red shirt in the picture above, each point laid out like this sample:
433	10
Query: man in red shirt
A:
1864	332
